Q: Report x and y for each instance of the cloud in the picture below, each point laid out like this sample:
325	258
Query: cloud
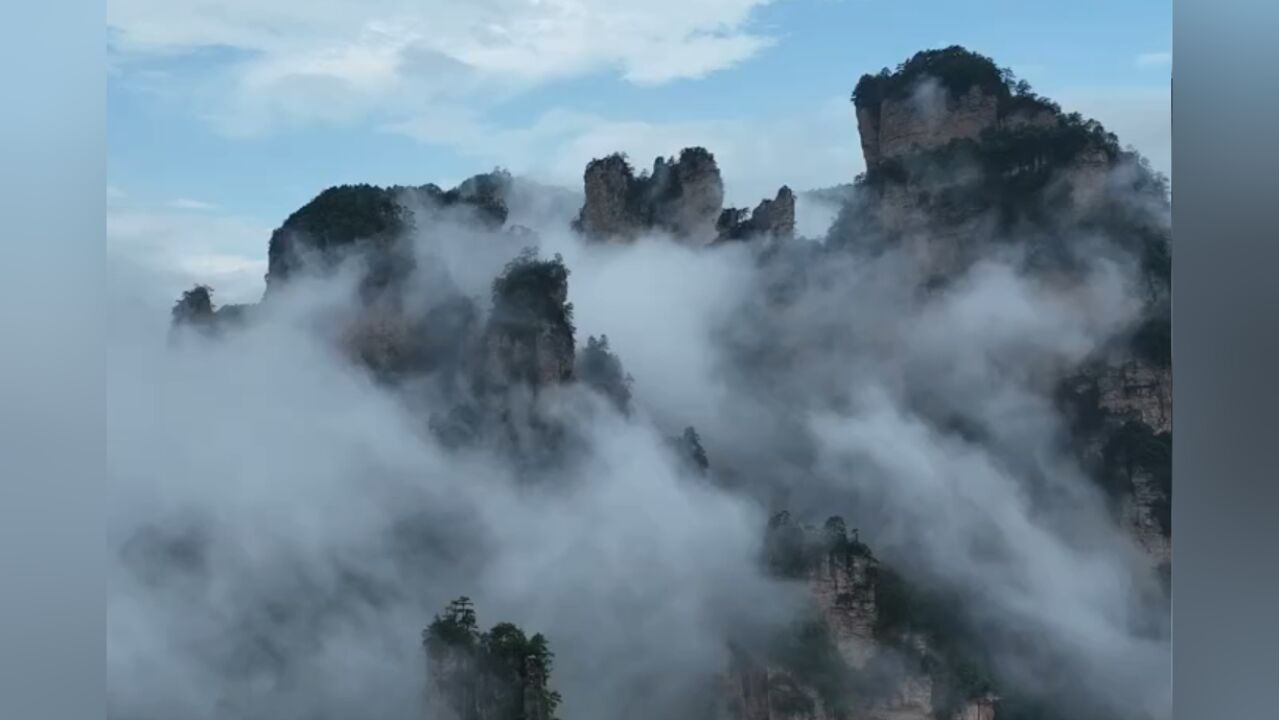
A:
814	148
297	475
325	527
189	204
283	62
1154	59
176	249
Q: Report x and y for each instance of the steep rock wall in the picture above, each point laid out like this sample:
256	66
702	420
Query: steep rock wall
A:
927	119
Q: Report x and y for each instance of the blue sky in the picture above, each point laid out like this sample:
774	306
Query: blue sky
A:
226	115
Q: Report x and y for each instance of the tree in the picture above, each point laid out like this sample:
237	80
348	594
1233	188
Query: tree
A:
600	369
498	675
195	307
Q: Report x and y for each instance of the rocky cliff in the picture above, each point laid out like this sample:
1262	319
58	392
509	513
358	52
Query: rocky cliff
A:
1122	414
372	222
862	653
958	158
928	118
529	337
501	674
770	219
956	149
683	197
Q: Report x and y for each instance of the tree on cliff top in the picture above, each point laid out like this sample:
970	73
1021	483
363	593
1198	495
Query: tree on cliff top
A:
501	674
956	67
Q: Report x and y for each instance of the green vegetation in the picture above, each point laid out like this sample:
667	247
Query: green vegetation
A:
195	307
498	675
688	447
840	543
600	369
692	445
1015	160
531	293
341	216
791	550
955	67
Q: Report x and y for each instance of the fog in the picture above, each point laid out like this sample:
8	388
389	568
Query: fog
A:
313	524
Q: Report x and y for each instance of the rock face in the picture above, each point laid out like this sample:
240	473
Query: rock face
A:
1123	431
842	583
1137	391
769	693
848	645
682	197
771	218
958	158
613	207
687	194
948	138
925	120
529	338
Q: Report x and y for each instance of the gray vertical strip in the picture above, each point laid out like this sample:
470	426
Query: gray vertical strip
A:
1225	359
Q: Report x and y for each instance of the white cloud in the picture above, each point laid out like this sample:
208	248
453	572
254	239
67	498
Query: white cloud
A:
183	248
189	204
814	148
335	61
1154	59
810	149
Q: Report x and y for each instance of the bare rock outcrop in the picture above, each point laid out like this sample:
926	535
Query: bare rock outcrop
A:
770	693
681	196
1137	391
874	642
928	118
933	98
1122	415
773	218
841	582
612	208
529	337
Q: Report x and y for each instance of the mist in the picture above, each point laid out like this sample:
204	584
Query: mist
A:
283	528
282	525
